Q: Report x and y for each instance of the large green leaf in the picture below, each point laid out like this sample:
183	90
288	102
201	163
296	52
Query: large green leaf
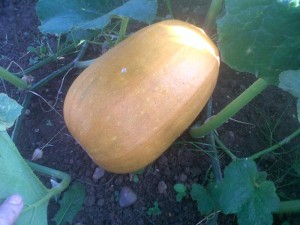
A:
290	81
245	191
260	36
61	16
17	177
9	111
15	174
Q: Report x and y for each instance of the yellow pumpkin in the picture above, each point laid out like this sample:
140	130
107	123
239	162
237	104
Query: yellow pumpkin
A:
135	100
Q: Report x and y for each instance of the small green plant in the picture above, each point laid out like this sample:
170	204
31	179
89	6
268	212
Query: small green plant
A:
154	210
181	190
135	175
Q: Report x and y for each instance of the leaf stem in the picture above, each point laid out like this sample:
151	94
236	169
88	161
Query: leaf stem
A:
169	6
292	206
12	78
224	148
64	177
84	64
39	84
59	71
123	28
276	146
49	59
214	9
230	110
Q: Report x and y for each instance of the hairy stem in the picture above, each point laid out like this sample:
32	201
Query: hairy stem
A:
214	9
276	146
49	59
123	28
224	148
169	6
292	206
12	78
64	177
230	110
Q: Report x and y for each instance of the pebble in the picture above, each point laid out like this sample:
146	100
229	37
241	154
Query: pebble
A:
98	173
162	187
27	112
119	180
127	197
101	202
182	177
37	154
90	200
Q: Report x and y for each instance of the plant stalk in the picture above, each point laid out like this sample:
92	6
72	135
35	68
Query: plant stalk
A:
12	78
123	28
48	59
230	110
64	177
224	148
292	206
169	6
214	9
39	84
276	146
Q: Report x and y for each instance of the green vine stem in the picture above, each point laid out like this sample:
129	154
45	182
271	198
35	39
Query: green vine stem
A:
41	83
214	9
84	64
169	6
276	146
123	28
12	78
64	177
49	59
224	148
230	110
292	206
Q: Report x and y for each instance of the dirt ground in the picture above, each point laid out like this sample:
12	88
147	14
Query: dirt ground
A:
249	132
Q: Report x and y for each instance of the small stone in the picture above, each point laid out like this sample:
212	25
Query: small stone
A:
127	197
182	178
98	173
90	200
162	187
101	202
119	180
27	112
37	154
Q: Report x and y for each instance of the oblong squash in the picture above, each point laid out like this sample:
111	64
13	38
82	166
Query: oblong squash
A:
133	102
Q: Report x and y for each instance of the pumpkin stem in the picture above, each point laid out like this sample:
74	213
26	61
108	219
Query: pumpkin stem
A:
230	110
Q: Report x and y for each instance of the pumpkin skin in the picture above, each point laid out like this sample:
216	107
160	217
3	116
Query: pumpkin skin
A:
135	100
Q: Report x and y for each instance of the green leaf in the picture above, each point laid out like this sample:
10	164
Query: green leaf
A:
289	81
296	167
10	110
17	177
70	204
62	16
245	191
205	203
237	186
259	209
180	188
260	36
